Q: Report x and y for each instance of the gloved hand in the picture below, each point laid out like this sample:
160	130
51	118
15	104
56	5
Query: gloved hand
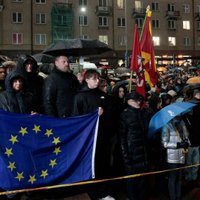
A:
184	145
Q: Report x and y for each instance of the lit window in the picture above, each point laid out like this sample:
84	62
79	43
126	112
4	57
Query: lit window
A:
138	5
186	25
40	39
156	41
172	41
103	38
17	38
121	4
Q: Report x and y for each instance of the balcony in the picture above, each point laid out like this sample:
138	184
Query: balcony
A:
172	14
103	10
139	13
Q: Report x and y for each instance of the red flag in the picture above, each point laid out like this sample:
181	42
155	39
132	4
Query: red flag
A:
136	63
147	52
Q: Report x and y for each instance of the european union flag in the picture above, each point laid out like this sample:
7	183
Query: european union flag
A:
36	150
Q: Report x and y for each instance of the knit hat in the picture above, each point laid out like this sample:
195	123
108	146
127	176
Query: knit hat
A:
134	96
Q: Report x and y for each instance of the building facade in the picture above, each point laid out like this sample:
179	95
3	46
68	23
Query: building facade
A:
28	26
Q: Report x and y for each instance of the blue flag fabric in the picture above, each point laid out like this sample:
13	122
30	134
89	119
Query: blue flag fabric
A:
36	150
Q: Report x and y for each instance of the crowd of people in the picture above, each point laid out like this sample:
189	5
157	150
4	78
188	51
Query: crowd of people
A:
123	146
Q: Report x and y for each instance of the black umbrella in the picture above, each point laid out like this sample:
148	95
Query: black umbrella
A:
76	47
43	58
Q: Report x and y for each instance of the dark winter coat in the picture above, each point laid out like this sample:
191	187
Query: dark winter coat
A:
88	100
34	83
58	93
132	140
11	101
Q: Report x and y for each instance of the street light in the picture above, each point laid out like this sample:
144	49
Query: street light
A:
82	10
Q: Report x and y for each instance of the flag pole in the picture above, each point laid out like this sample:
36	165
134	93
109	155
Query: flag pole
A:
147	10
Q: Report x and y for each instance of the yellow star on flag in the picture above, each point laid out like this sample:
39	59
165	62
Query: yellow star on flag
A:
9	152
23	131
52	163
11	166
44	173
48	132
57	150
19	176
13	139
36	128
56	140
32	179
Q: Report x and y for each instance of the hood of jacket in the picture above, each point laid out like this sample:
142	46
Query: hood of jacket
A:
22	60
9	78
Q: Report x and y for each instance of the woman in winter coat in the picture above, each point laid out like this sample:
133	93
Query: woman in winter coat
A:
28	68
13	98
175	141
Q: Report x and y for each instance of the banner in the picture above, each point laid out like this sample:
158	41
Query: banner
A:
36	150
147	51
136	63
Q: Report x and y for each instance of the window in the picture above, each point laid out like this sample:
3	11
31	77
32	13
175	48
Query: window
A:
103	38
122	40
83	20
186	41
121	4
171	24
82	2
17	38
155	23
40	18
172	41
103	21
62	19
198	25
155	6
156	41
40	39
121	21
186	8
17	17
186	25
139	22
198	8
198	41
103	3
84	37
17	1
40	1
138	5
171	7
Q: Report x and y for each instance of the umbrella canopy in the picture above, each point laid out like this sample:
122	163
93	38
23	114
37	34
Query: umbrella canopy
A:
43	58
76	47
162	117
193	80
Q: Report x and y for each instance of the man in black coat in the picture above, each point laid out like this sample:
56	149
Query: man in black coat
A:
133	145
59	89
